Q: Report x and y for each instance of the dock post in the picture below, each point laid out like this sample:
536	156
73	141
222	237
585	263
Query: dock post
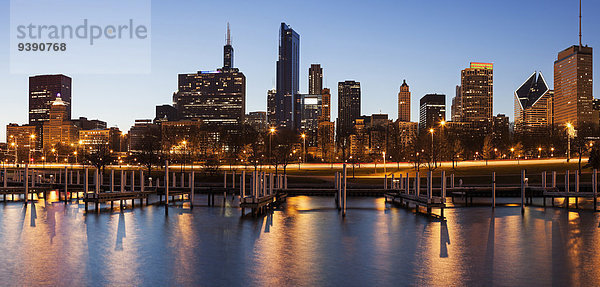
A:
429	191
400	182
429	186
270	183
85	182
122	185
224	179
407	185
344	193
4	177
97	189
26	183
112	180
166	186
85	187
417	184
265	190
385	183
66	185
142	187
554	179
335	181
444	185
285	182
522	191
595	188
233	180
192	185
494	189
452	181
544	184
133	180
243	186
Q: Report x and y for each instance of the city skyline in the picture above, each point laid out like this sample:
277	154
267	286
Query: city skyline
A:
91	92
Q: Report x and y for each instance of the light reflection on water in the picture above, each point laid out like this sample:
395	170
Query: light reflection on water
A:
306	242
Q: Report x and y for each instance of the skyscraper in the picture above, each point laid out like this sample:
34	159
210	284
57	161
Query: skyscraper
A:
43	90
456	108
432	111
404	103
288	75
573	87
272	108
228	51
531	106
326	105
315	79
215	97
348	106
311	107
477	90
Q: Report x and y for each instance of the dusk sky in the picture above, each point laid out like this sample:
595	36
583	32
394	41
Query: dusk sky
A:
378	43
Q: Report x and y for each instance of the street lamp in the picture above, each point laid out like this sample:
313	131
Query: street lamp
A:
271	132
431	130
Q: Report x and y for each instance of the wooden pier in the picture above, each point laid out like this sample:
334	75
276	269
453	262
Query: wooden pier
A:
407	195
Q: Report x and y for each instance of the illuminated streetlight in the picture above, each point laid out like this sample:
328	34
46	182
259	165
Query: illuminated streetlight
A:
431	130
271	132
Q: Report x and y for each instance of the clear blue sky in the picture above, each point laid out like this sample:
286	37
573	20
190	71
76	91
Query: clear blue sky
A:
378	43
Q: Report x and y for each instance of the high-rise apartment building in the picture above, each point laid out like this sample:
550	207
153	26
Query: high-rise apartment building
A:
573	87
315	79
348	107
404	103
477	90
432	111
43	90
288	77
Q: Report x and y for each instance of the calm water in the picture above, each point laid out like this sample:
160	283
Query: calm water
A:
306	243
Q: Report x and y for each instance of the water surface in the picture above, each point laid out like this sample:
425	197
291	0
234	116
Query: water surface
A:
305	243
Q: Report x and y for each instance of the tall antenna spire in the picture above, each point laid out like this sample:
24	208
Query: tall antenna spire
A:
580	23
228	35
